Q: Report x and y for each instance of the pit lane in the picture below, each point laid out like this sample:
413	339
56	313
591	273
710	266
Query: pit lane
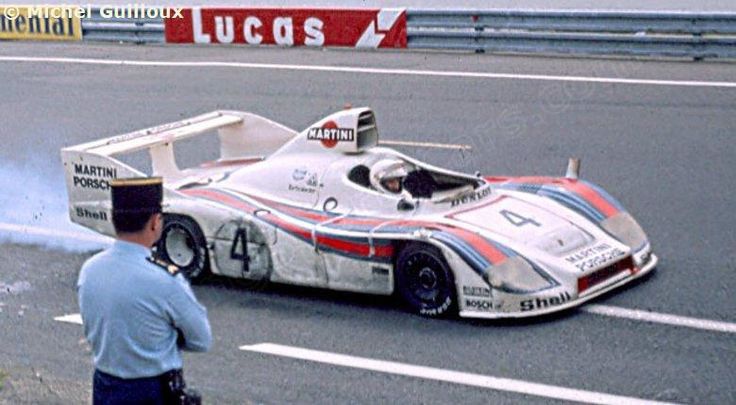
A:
665	151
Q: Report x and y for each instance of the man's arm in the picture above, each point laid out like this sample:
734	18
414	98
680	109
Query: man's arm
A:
190	318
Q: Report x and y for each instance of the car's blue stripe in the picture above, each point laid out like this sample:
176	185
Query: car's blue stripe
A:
573	201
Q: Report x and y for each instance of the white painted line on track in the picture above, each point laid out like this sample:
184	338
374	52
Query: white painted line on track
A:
53	233
643	316
667	319
71	318
450	376
380	71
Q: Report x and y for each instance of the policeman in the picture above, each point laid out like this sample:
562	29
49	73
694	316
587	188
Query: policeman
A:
138	313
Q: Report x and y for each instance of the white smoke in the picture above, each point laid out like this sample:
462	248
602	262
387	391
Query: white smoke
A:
34	208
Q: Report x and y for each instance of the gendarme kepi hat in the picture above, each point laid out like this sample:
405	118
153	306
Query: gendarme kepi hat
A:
137	195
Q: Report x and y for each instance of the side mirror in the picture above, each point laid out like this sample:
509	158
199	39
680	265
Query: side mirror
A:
405	205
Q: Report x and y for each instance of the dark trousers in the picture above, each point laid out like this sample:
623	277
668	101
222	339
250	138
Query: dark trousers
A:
111	390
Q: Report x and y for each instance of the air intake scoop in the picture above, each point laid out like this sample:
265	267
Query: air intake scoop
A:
348	131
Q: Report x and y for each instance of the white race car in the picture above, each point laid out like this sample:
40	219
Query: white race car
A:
328	207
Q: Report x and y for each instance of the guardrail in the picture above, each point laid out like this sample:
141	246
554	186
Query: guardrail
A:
137	30
691	35
694	35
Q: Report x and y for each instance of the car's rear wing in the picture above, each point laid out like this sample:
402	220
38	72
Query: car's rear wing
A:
89	167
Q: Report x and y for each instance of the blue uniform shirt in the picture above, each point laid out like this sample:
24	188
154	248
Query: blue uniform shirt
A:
132	309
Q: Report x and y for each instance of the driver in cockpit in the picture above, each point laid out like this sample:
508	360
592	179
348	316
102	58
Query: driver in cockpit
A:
388	175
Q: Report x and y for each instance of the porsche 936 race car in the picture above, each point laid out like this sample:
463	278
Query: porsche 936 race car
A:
329	207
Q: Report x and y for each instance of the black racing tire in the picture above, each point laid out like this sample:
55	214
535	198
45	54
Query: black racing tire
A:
182	243
425	281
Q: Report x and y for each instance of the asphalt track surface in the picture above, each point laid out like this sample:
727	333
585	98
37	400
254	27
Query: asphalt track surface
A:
666	150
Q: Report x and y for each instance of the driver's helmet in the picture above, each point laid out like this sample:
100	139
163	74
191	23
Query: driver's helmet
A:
387	175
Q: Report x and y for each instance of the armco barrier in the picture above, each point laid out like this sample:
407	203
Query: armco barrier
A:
137	30
692	35
695	35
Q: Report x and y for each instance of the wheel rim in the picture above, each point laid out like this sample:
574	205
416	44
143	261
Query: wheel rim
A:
427	278
426	281
180	247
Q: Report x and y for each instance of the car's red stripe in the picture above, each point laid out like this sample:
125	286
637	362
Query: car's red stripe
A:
303	213
275	220
590	195
480	244
356	248
593	197
222	198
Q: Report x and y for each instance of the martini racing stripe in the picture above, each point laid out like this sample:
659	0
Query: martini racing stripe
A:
222	198
349	223
604	194
357	248
480	253
477	251
477	262
491	252
598	201
582	196
488	249
572	201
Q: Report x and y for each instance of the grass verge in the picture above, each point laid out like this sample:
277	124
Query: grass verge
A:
3	376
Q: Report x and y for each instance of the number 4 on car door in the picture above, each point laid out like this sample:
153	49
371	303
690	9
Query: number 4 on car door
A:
241	241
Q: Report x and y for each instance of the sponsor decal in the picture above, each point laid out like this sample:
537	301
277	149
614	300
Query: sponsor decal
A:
41	22
475	196
540	303
89	176
312	180
365	28
299	174
594	257
330	204
476	291
97	171
96	215
479	305
309	179
302	189
379	271
330	134
439	310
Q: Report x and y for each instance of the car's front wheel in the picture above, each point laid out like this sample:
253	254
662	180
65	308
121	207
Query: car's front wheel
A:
183	244
425	281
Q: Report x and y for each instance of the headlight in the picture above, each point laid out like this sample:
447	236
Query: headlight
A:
625	228
642	257
516	275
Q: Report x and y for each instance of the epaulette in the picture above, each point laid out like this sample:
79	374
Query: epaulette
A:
170	268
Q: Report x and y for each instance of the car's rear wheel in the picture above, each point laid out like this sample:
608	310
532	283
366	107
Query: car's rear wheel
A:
425	281
183	244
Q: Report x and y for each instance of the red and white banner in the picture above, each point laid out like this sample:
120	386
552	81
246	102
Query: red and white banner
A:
361	28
